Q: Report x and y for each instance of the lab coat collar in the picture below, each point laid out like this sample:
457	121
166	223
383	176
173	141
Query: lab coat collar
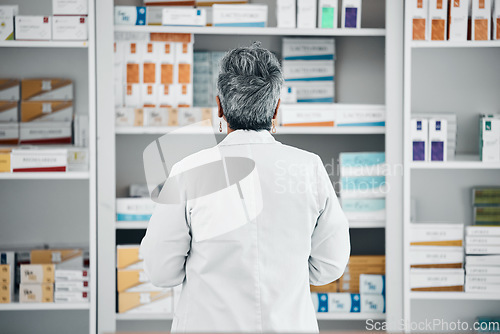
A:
242	137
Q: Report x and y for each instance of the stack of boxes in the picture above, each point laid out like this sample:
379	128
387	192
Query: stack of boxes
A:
489	137
136	294
206	71
37	283
309	67
137	207
360	289
483	243
463	20
9	111
363	179
436	257
7	276
434	136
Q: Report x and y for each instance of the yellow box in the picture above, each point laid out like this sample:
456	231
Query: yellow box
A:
127	257
5	293
127	279
36	293
145	302
63	258
37	273
5	160
5	274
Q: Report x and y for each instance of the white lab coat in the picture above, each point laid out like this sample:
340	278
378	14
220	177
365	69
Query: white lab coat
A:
250	275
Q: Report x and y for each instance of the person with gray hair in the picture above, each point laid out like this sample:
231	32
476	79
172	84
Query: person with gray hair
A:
260	221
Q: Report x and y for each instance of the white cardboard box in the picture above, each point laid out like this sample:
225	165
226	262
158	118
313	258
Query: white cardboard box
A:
308	48
134	209
314	91
308	70
428	255
435	232
240	15
306	14
328	14
71	297
458	20
481	20
371	303
179	16
286	13
351	14
438	13
490	141
438	140
419	139
45	133
7	14
130	15
71	286
23	160
9	112
70	7
33	28
69	28
433	278
419	13
72	274
369	116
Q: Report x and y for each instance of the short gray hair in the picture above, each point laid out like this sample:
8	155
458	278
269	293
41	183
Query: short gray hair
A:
249	87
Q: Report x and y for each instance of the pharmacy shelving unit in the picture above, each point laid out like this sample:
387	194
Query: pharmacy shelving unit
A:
362	78
57	209
446	76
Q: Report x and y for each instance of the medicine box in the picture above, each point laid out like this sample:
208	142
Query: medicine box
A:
5	160
437	279
372	303
436	234
344	302
308	48
438	142
438	12
38	133
128	257
366	116
296	116
70	7
458	20
80	274
436	257
69	28
71	286
308	70
489	139
351	14
372	284
130	15
9	90
419	139
286	13
496	20
36	293
57	111
306	14
32	160
184	16
362	163
9	133
37	273
483	230
156	302
134	281
419	13
7	14
33	28
9	111
134	209
71	297
46	90
481	20
62	258
364	209
241	15
363	186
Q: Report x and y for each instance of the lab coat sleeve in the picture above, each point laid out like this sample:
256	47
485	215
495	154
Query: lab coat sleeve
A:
166	245
330	244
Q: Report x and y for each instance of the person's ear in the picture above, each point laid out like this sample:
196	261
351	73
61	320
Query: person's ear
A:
219	107
276	111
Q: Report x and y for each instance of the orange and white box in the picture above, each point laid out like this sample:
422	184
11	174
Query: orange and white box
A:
50	111
9	111
496	20
5	160
167	97
184	95
438	12
150	54
134	281
10	90
132	52
33	28
36	293
149	95
146	302
293	115
133	95
458	20
166	52
46	90
481	20
37	273
419	19
127	116
62	258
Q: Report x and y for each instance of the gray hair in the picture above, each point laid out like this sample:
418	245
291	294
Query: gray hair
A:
249	87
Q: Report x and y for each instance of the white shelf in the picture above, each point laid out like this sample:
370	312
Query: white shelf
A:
45	176
152	316
43	306
251	31
453	296
367	224
137	225
358	130
460	162
44	44
350	316
451	44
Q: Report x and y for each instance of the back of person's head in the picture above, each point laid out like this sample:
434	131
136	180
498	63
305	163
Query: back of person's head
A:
249	87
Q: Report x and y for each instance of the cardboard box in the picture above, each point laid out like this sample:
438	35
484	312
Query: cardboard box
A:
69	28
496	20
344	302
288	95
362	163
306	14
46	90
166	96
351	14
296	116
154	15
481	20
6	293
370	116
438	133
486	196
128	257
482	230
482	288
71	286
437	279
458	20
134	209
130	15
490	139
328	14
6	273
9	90
5	160
9	111
81	131
145	302
308	48
37	273
436	234
489	215
320	302
436	257
179	16
36	293
184	94
188	116
81	274
286	13
471	270
129	117
149	95
133	97
156	116
135	281
62	258
35	133
358	209
240	15
314	91
438	12
55	111
69	7
33	28
372	284
71	296
363	186
372	303
419	13
482	249
483	260
419	138
487	241
7	267
7	14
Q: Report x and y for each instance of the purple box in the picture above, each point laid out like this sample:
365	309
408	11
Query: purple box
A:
418	151
351	17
